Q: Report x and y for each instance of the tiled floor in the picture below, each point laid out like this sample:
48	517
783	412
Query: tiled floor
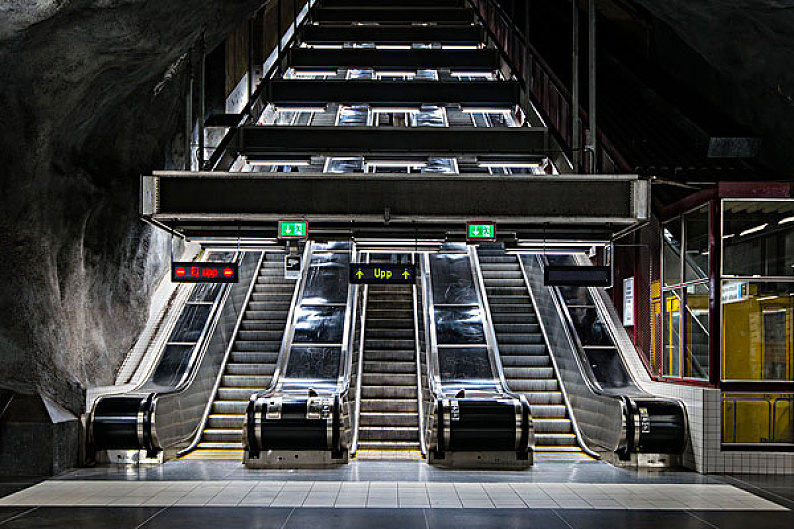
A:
391	494
405	494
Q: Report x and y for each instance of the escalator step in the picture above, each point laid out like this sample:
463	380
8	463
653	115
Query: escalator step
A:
530	384
389	405
516	373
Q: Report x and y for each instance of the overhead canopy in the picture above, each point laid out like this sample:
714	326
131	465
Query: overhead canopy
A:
227	204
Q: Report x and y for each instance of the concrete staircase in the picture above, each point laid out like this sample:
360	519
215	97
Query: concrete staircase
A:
389	420
527	365
251	363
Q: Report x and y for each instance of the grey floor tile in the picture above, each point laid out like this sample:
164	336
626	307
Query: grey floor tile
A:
82	517
219	517
356	519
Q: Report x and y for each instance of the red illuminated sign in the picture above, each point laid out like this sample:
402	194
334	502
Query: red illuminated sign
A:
204	272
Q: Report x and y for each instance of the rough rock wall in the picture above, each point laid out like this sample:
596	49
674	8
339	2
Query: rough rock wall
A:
92	96
749	47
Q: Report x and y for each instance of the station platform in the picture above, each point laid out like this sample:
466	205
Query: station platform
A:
395	494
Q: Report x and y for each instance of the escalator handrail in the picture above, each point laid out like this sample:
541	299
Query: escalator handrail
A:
351	306
431	342
229	347
574	423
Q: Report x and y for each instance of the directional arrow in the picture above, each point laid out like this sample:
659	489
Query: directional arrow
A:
476	230
406	274
360	274
288	229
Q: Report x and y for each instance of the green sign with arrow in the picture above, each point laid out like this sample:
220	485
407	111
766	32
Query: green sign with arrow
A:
293	229
480	231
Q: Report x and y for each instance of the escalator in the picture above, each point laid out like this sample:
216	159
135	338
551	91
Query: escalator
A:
251	363
528	367
473	418
389	418
614	413
302	419
163	415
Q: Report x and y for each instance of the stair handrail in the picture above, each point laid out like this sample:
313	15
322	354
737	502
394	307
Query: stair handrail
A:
418	361
359	370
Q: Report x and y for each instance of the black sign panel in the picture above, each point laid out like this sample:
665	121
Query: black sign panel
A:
382	274
577	276
204	272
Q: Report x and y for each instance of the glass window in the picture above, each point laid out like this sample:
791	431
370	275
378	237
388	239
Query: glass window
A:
757	330
696	257
671	252
429	116
354	116
754	418
758	238
696	331
672	334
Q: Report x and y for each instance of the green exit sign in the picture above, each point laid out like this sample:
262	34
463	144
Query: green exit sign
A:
293	229
480	231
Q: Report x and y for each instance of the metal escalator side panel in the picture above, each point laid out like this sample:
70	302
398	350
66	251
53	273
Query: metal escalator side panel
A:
600	417
177	416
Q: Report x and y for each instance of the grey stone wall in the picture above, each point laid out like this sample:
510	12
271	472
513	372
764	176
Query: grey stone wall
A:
92	96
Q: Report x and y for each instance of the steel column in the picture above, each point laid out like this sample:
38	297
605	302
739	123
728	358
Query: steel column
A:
575	131
592	143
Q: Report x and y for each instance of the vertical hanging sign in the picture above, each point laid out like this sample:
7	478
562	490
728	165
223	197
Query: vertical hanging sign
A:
628	302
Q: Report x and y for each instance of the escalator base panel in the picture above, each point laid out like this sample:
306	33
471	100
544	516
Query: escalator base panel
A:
482	460
289	459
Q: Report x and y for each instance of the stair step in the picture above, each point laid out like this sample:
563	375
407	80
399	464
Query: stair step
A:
213	435
263	325
245	381
255	346
549	411
509	360
387	433
230	407
381	418
388	392
402	367
272	335
226	420
522	349
385	355
511	328
390	323
517	373
237	393
373	379
254	357
389	405
519	339
530	384
542	397
552	425
555	439
250	369
388	445
372	333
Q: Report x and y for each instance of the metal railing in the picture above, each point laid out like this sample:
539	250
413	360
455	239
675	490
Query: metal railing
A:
771	403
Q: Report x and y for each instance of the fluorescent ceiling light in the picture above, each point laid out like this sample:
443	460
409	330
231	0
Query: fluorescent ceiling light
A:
509	165
389	163
314	72
394	73
300	109
294	163
486	110
755	229
460	47
392	47
729	236
471	74
388	110
325	46
786	220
